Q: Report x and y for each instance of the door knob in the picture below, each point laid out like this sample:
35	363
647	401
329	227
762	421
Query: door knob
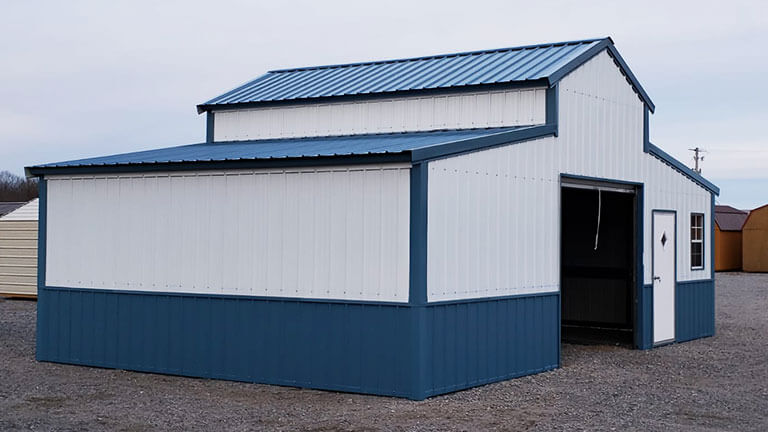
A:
657	278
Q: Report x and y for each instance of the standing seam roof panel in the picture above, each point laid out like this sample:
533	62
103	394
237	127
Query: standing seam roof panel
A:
451	70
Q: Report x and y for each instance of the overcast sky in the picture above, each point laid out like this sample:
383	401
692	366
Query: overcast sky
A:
89	78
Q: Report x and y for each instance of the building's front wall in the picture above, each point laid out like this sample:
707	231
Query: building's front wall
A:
486	109
331	233
727	250
504	202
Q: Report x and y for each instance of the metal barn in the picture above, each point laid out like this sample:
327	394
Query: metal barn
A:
404	227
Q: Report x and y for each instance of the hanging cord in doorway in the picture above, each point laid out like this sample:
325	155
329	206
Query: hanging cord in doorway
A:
599	208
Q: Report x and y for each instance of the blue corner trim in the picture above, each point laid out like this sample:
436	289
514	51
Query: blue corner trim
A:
676	164
42	232
209	124
641	307
481	143
553	109
646	129
712	237
418	234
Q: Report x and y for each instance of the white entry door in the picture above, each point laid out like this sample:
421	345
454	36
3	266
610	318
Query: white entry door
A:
663	277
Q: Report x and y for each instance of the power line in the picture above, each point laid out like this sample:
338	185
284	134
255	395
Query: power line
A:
696	158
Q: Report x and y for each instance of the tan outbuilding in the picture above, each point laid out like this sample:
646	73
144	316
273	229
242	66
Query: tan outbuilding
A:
728	237
755	241
18	252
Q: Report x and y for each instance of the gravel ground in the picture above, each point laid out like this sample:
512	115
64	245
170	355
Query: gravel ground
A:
719	383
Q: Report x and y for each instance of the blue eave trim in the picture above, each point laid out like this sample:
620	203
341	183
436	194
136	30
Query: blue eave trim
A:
209	106
631	77
225	164
691	174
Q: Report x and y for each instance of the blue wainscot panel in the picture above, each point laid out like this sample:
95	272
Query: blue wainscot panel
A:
473	343
644	335
694	310
363	348
412	351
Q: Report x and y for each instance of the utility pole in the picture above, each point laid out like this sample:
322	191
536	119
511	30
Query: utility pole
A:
696	158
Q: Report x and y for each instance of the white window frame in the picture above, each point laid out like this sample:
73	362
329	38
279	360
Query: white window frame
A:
699	240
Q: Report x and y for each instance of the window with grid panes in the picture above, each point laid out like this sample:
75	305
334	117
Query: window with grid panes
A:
697	240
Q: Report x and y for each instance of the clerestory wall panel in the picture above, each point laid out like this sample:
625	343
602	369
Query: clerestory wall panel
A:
515	107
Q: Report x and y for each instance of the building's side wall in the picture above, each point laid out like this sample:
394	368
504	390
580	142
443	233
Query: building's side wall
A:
18	257
503	203
365	348
335	233
405	114
727	250
755	241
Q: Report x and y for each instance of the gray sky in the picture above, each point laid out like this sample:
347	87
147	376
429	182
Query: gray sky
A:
89	78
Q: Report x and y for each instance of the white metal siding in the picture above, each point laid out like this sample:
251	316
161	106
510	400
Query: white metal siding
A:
331	233
457	111
494	215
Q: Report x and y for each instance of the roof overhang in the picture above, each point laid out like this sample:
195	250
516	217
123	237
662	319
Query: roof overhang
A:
413	154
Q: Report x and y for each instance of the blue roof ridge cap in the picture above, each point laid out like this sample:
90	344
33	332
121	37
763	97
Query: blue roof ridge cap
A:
679	166
445	55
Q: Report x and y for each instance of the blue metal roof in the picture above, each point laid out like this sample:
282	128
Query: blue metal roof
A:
356	145
545	63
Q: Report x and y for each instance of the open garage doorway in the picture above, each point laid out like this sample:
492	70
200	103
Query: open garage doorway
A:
597	265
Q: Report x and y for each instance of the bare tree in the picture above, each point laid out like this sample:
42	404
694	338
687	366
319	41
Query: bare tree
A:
16	188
